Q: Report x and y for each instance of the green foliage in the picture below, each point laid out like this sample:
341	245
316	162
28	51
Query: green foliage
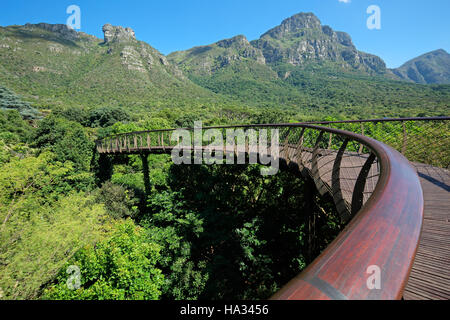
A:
119	202
105	117
12	128
10	101
37	239
14	135
313	91
173	227
66	139
420	141
76	113
227	232
118	268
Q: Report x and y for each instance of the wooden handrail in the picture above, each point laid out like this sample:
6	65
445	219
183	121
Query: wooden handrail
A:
384	232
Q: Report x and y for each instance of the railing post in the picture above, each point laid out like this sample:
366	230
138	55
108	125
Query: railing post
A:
286	147
146	171
405	138
358	193
298	151
310	194
315	168
361	146
338	199
162	141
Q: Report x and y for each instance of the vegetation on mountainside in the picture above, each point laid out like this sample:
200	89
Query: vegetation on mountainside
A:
432	67
10	101
324	91
51	70
57	74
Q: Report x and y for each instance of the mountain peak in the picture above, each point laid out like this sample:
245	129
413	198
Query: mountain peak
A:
239	41
300	21
429	68
438	52
303	20
118	34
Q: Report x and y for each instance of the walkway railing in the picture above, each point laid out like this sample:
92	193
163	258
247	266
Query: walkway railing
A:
373	186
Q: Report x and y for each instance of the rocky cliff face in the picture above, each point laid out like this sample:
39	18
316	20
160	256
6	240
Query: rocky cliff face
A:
136	56
118	34
206	60
243	48
293	25
60	29
301	39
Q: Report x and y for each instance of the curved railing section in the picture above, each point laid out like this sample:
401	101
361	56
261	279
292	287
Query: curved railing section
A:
375	189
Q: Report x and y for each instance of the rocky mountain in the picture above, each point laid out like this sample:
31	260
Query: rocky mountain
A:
430	68
53	65
297	58
205	60
298	41
302	39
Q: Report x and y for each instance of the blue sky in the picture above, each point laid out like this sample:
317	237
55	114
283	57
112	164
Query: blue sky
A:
408	27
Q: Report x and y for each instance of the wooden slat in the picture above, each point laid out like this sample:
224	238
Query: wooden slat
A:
430	275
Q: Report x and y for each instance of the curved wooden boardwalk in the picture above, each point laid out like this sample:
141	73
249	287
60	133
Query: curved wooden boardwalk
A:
375	187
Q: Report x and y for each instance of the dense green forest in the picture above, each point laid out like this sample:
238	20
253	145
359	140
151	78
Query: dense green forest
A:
204	232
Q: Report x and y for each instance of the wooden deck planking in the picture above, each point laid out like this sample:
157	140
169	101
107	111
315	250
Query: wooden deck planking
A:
430	275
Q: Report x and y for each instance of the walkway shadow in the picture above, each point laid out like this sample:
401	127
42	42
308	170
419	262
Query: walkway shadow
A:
434	181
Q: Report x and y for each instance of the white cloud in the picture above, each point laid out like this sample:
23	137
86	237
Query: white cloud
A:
345	1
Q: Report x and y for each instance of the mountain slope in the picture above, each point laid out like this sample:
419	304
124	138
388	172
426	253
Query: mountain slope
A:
53	65
232	67
430	68
300	68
